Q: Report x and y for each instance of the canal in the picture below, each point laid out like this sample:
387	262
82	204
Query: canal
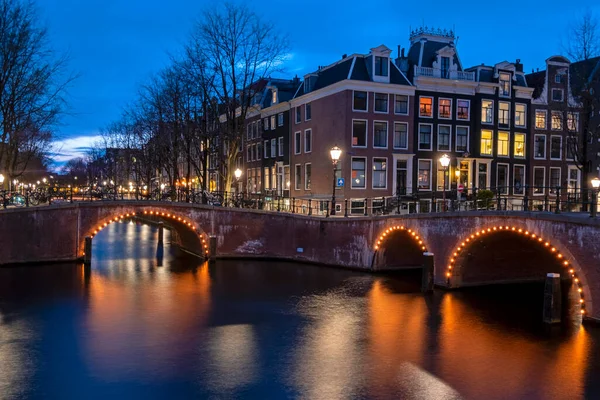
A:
132	327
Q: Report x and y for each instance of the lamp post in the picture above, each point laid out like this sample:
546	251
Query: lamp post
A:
1	181
238	174
335	154
445	161
595	185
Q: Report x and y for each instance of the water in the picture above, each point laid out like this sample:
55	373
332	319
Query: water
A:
128	328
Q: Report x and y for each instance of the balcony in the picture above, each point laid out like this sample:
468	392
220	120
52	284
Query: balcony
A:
437	73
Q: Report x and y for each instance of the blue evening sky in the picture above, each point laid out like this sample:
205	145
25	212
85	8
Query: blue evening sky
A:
116	45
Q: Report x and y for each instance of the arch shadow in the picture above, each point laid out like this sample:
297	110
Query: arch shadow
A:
398	248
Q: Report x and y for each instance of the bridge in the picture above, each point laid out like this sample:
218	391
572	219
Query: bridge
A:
469	248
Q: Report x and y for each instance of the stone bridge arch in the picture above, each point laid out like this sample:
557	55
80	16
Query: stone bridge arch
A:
398	247
483	244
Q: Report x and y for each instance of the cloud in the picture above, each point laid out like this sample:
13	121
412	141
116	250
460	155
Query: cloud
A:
66	149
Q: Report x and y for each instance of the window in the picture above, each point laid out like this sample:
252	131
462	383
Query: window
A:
307	112
400	135
379	173
555	147
487	111
298	115
482	176
573	178
444	138
255	127
358	172
280	119
267	176
424	177
520	115
503	144
307	176
425	105
258	150
401	105
381	102
504	113
572	121
359	133
486	143
425	136
249	132
280	145
463	108
380	134
557	122
357	206
519	150
519	179
249	153
273	148
539	176
272	122
440	178
502	178
360	101
381	66
266	122
297	143
297	176
274	96
445	67
539	146
445	108
266	149
540	119
572	148
504	84
557	78
554	179
308	141
462	138
557	95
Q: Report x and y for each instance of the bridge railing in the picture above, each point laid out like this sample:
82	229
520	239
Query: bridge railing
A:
538	198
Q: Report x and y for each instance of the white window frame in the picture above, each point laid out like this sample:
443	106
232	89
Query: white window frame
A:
351	169
468	113
296	181
561	147
306	180
533	181
306	118
524	146
562	95
280	119
498	144
280	146
545	119
449	137
373	173
438	108
273	122
545	145
407	104
493	105
366	121
265	149
430	174
273	148
558	78
432	106
394	136
524	179
387	110
552	192
296	149
266	124
509	85
562	123
524	116
575	114
509	114
491	139
419	137
507	165
387	134
456	135
311	141
357	110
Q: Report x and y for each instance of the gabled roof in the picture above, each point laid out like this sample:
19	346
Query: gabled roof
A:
536	80
581	73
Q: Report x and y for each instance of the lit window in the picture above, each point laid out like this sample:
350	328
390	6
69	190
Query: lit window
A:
307	176
487	111
445	108
274	97
360	101
359	133
557	121
266	121
572	148
554	179
486	143
520	115
504	113
425	105
503	144
519	145
379	173
380	134
358	172
400	135
381	102
424	177
540	119
572	121
539	146
463	109
504	84
424	137
557	78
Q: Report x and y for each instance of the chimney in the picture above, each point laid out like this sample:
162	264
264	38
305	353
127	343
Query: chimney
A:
537	69
518	65
344	56
401	61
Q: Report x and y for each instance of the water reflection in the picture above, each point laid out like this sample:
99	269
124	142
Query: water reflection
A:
127	327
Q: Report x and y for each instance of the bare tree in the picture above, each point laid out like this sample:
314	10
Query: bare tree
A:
240	48
583	38
32	86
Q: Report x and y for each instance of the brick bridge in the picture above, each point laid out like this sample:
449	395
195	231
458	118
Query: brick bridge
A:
470	248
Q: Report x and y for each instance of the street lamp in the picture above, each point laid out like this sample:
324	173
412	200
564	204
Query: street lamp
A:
1	181
594	208
238	174
445	161
335	153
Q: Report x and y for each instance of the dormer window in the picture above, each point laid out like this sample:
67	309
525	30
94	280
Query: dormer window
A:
504	84
381	66
274	99
445	67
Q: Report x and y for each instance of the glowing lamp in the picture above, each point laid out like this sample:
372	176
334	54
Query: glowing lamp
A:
237	173
596	183
335	154
445	160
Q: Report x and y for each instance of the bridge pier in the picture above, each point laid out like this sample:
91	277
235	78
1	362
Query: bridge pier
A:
87	251
427	273
160	245
212	248
552	299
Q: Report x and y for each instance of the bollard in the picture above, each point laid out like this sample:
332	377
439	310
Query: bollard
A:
552	300
427	273
212	248
87	251
345	207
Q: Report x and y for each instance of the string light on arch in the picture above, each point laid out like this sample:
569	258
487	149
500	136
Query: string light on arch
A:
411	233
536	240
